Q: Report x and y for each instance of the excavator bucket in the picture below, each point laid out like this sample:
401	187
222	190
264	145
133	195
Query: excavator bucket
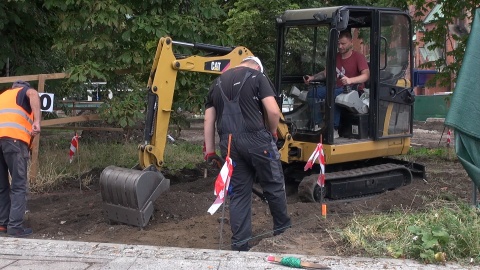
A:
128	195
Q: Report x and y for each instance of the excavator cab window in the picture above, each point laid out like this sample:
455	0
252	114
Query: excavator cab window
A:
305	53
395	95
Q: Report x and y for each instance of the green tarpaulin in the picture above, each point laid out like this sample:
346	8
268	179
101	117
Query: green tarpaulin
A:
464	112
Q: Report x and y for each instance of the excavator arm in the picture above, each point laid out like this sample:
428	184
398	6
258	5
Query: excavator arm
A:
161	87
128	195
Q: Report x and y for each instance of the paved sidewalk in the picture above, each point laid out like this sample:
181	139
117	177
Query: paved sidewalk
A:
37	254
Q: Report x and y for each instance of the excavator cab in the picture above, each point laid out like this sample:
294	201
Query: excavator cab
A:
375	123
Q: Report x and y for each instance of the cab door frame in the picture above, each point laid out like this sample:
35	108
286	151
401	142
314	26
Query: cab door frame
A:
392	97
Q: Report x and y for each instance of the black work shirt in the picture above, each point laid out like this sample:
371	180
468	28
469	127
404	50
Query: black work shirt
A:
23	100
256	88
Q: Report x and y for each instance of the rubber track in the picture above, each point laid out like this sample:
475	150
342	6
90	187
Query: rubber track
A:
388	167
307	190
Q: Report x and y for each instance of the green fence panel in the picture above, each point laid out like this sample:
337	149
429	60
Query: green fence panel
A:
435	106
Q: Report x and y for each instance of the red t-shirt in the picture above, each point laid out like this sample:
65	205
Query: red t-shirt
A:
351	67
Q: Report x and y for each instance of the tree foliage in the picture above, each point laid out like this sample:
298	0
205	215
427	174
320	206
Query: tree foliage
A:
25	28
452	12
106	40
126	110
252	24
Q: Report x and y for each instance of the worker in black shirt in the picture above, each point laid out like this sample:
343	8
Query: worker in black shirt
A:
236	103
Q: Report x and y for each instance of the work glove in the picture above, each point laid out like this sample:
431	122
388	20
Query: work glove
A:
214	159
275	137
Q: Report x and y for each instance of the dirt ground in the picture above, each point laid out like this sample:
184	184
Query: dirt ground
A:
181	219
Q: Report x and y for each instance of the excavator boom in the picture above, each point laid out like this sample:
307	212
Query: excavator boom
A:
128	194
161	86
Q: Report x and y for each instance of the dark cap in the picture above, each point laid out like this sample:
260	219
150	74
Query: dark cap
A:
20	83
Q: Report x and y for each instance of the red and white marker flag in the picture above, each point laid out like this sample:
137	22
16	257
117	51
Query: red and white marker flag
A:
317	154
449	137
221	185
204	151
73	146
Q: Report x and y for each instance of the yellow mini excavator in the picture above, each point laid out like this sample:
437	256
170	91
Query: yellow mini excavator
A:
128	195
376	123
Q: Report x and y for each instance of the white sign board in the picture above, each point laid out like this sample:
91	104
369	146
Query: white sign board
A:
46	102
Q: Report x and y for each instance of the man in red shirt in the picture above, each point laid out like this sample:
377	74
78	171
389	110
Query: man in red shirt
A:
352	69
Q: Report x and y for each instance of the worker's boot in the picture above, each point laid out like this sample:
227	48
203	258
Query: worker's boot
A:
19	232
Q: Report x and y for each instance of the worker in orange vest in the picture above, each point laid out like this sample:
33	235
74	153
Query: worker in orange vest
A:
19	123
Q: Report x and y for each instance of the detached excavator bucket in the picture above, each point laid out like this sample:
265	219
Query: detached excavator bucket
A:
128	195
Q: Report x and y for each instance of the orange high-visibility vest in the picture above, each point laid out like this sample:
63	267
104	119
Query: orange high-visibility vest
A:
15	122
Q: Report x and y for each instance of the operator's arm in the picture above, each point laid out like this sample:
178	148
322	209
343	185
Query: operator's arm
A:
35	105
273	113
209	130
316	77
363	77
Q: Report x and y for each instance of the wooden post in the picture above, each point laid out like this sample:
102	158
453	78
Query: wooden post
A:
33	173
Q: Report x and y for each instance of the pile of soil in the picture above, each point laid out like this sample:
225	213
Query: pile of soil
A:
181	219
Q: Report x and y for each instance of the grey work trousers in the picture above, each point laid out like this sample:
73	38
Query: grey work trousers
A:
254	155
14	157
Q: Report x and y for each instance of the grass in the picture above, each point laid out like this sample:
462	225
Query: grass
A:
451	228
422	152
183	155
448	230
55	167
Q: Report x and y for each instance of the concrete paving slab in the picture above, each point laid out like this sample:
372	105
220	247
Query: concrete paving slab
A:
122	263
5	262
36	254
46	265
